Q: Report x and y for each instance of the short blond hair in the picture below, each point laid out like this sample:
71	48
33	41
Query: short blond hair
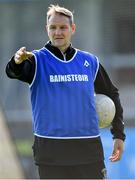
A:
52	9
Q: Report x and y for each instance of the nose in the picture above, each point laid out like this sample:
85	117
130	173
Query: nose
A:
58	31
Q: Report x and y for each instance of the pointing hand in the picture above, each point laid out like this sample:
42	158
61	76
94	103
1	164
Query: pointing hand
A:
21	55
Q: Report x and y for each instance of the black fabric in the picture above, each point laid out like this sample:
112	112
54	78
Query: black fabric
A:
69	53
24	71
88	171
67	152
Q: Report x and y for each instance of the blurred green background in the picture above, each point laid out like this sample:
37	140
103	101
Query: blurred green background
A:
104	27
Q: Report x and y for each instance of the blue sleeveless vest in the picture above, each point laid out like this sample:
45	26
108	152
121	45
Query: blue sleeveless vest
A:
62	96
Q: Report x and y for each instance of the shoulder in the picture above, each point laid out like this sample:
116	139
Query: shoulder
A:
40	54
38	51
86	53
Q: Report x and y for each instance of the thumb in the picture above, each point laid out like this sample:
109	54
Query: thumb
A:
29	54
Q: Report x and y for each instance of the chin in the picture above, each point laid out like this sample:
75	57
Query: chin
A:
58	45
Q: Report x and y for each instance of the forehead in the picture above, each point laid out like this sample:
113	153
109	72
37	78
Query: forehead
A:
58	19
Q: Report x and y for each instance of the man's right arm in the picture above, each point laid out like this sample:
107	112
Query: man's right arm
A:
23	71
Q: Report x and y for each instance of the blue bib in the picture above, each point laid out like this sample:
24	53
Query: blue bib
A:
62	96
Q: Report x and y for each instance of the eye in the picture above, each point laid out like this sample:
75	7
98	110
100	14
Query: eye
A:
63	27
52	27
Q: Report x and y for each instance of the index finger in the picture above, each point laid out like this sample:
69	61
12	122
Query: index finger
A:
23	49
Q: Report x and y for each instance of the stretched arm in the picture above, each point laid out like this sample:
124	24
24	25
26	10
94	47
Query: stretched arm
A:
21	66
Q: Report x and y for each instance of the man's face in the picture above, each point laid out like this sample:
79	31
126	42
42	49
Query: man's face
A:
60	31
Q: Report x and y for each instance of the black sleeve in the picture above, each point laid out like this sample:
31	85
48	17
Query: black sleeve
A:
24	71
103	85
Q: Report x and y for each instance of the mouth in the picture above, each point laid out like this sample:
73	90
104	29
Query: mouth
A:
58	38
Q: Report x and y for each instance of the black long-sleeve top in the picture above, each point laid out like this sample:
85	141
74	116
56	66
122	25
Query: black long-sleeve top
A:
103	85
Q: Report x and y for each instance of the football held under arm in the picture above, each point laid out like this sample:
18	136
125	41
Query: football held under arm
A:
103	85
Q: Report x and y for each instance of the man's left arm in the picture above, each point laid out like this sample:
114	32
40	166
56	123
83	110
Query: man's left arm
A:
103	85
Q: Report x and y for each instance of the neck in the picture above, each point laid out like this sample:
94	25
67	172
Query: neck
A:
69	52
63	49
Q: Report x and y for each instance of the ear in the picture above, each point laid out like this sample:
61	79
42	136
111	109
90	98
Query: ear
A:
73	28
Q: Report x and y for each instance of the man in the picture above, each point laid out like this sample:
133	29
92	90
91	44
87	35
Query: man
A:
62	83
